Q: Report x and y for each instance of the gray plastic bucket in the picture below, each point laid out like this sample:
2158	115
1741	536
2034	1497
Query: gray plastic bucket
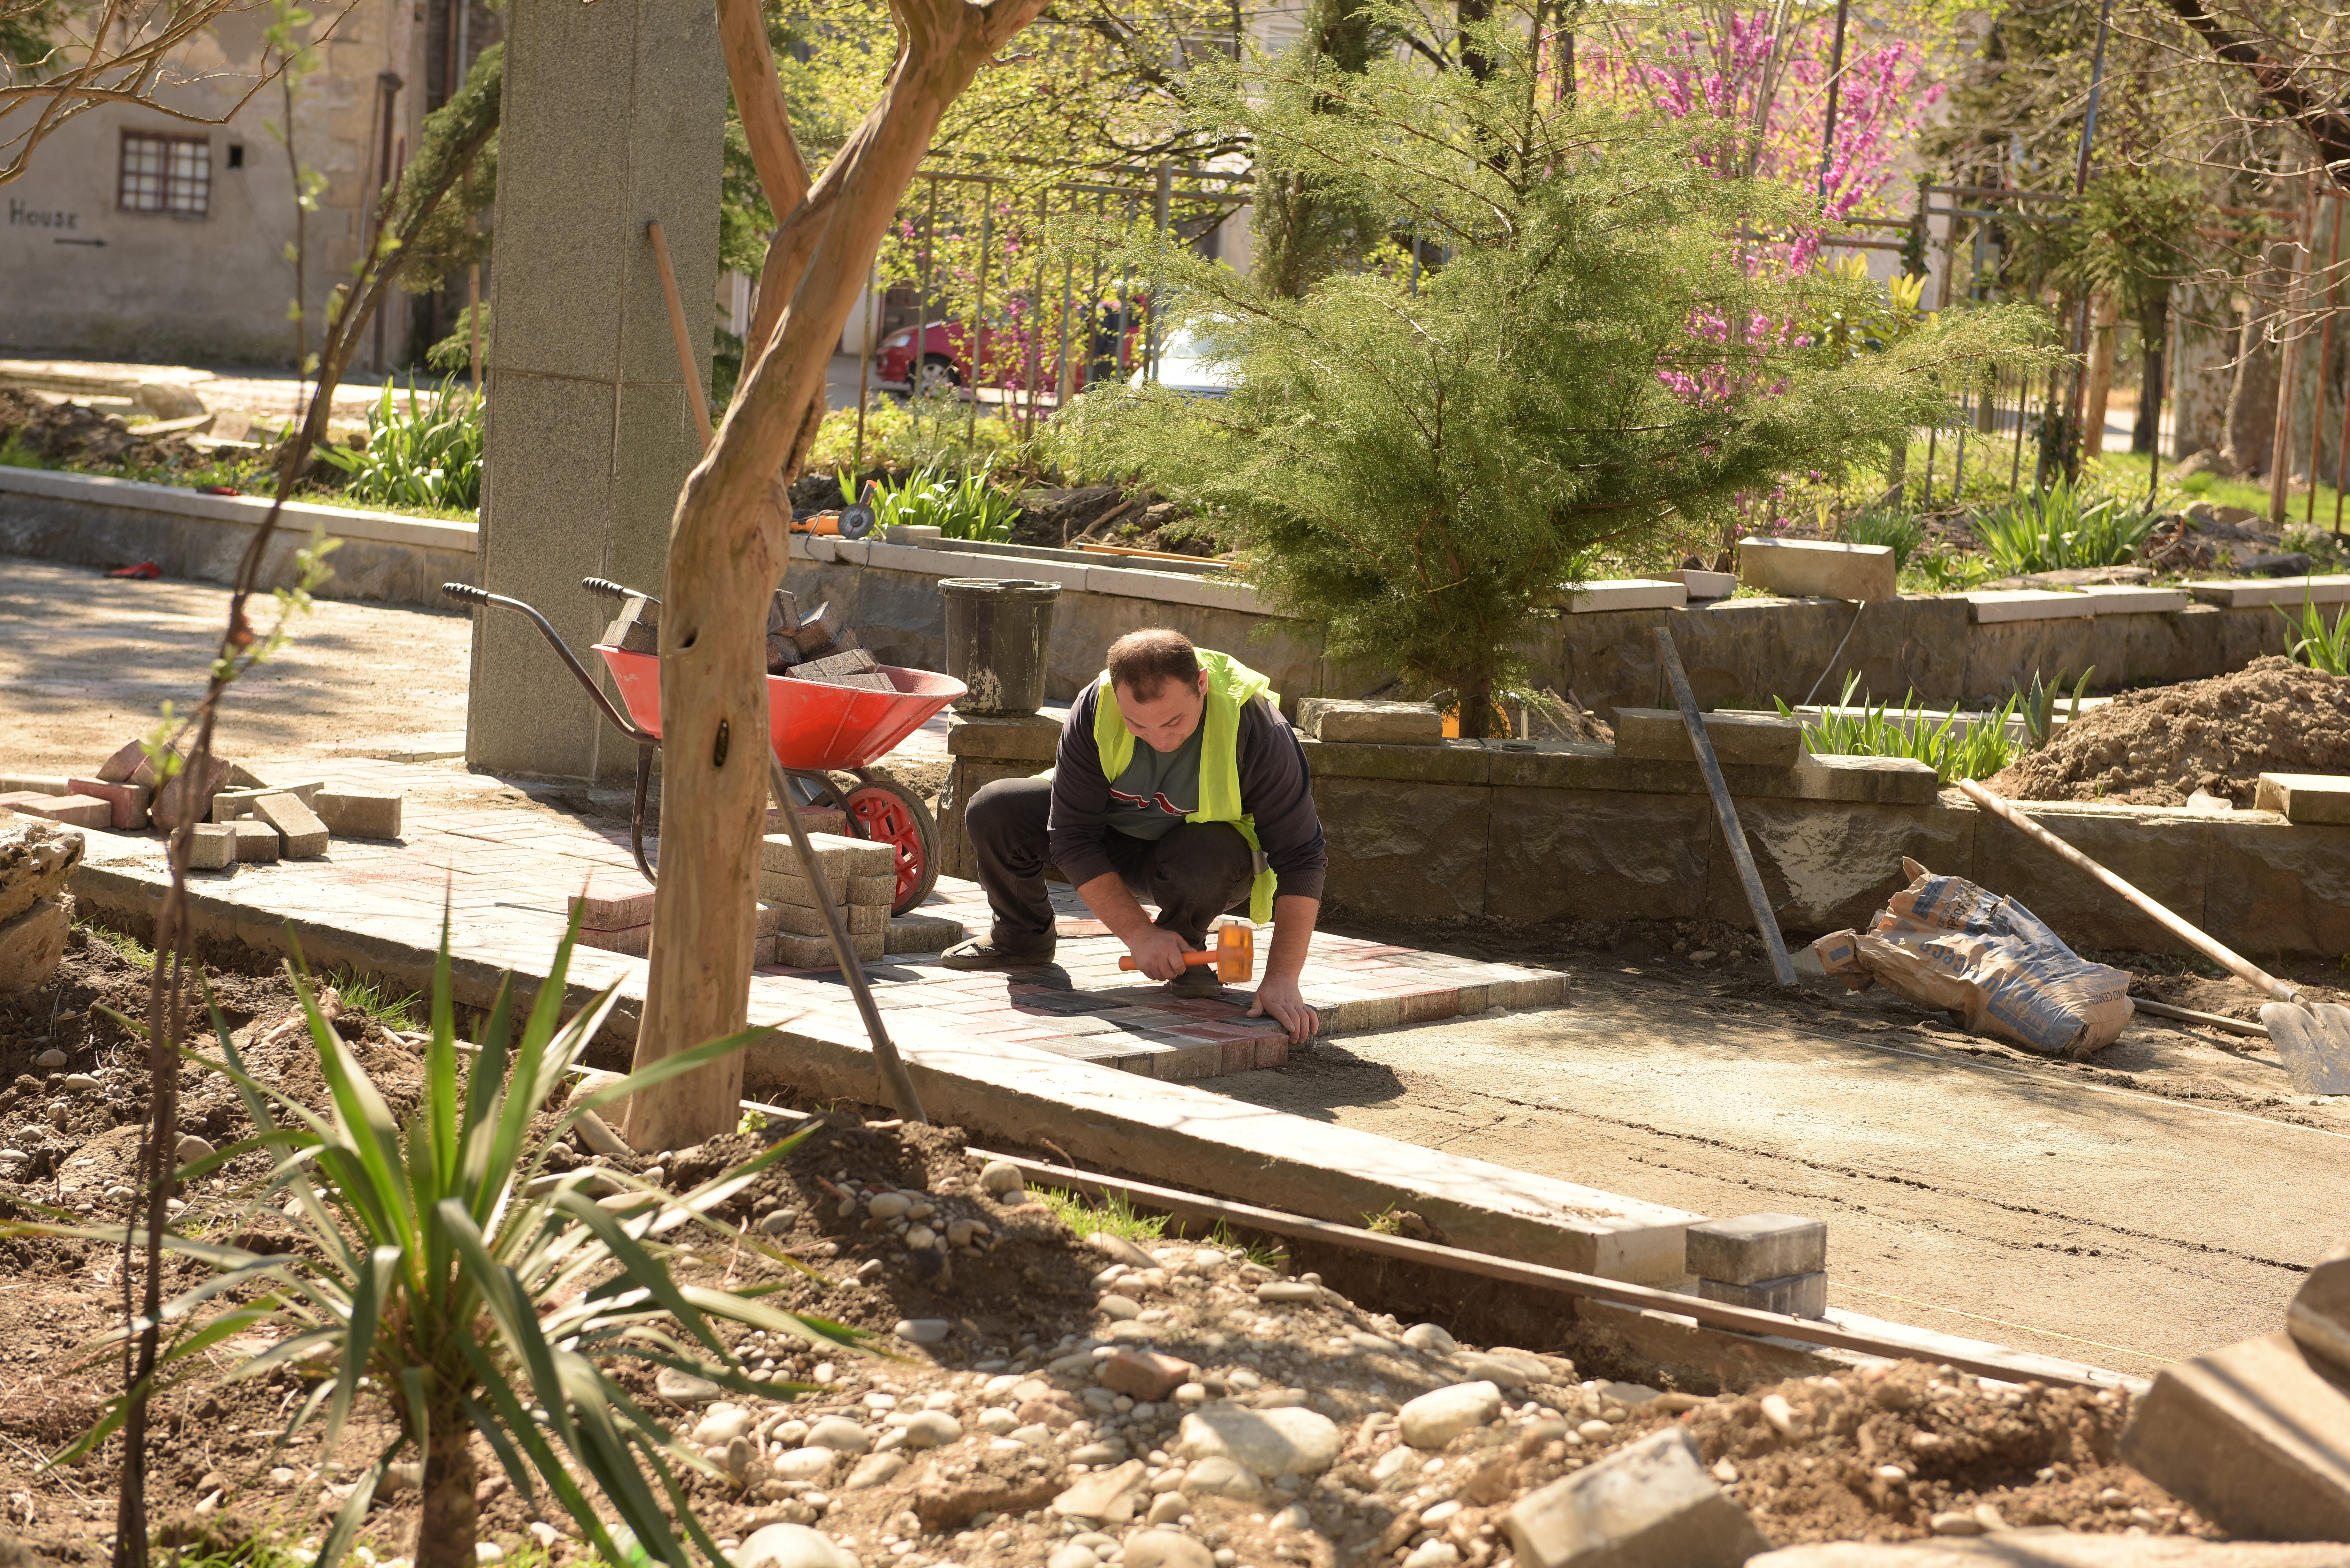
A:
999	641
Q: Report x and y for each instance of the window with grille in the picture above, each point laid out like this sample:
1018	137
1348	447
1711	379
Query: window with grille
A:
166	174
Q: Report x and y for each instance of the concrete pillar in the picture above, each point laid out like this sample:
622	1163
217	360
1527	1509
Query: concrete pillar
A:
614	115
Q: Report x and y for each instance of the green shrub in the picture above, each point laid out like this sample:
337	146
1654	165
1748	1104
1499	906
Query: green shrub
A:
2060	529
1977	751
428	453
1940	569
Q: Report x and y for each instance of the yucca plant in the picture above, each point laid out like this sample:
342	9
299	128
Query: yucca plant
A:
1888	525
427	455
2060	529
2039	706
970	507
2319	646
1974	751
440	1268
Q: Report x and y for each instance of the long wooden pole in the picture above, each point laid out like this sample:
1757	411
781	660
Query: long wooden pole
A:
2289	362
1765	921
686	365
2218	952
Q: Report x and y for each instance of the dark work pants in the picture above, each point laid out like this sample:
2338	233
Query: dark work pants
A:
1193	874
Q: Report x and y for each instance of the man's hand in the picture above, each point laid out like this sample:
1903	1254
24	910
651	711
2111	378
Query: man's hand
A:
1277	998
1158	952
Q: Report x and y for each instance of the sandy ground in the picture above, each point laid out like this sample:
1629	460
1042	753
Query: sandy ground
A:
2160	1201
87	662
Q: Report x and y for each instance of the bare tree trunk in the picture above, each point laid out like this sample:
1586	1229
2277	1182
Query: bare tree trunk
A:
2146	435
728	549
2105	323
445	1529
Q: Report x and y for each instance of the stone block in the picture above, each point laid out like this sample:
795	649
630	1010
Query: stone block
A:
1596	855
815	952
1708	584
129	801
1418	853
1650	1503
119	767
920	933
2272	887
2319	1316
839	856
33	783
1371	724
1817	568
1754	740
2004	654
212	847
1448	763
303	834
32	945
228	804
1890	781
630	941
359	813
73	810
1796	1295
36	858
2167	855
184	797
1993	606
1826	867
255	840
782	887
612	911
2254	1437
804	920
2249	592
1018	737
637	629
1603	595
1753	1247
2305	797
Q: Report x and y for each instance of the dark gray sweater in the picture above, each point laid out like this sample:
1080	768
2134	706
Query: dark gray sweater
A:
1276	789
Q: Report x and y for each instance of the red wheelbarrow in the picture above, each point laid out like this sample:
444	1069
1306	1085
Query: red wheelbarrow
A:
815	730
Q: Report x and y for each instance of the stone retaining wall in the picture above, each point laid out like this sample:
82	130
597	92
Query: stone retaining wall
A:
89	520
1739	653
1517	830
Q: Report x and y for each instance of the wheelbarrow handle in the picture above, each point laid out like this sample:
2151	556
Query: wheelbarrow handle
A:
607	588
468	594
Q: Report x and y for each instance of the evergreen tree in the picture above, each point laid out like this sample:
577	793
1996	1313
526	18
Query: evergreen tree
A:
1606	356
1304	228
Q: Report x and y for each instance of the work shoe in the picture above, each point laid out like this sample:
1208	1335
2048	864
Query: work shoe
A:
1198	980
981	952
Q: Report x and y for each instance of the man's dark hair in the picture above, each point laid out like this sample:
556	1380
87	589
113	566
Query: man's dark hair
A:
1143	661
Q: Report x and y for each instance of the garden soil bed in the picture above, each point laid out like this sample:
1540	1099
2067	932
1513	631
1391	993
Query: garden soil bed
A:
2159	746
1022	1321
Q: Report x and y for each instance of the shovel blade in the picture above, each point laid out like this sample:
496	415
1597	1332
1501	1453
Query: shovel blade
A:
2312	1043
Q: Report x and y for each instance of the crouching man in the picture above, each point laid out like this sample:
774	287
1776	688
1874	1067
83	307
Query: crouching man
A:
1177	781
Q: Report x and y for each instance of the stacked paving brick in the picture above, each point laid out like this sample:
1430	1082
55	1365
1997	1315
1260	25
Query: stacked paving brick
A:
863	876
818	646
231	815
1771	1262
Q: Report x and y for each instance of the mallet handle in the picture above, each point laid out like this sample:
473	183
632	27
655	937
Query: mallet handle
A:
1127	962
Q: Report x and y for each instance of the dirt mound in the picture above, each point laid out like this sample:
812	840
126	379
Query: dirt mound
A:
72	434
2156	747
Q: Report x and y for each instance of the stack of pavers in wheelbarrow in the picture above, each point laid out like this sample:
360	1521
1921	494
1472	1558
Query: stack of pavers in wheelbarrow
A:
234	816
863	879
818	646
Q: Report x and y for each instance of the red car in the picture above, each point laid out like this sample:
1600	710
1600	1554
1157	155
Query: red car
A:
946	356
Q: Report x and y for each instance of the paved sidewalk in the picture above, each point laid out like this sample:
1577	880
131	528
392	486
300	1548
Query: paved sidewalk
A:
505	873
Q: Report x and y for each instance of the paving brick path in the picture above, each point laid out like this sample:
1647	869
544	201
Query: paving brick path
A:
506	876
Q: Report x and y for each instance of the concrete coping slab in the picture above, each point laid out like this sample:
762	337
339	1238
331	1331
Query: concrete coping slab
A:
300	517
2333	588
2305	797
1624	594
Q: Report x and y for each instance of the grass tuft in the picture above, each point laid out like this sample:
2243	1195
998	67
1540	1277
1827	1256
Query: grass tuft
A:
377	1000
1114	1213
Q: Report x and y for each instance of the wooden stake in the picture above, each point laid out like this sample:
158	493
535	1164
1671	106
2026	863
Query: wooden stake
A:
686	365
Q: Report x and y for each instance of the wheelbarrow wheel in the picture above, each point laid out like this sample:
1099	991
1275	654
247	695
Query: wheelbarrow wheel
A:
887	811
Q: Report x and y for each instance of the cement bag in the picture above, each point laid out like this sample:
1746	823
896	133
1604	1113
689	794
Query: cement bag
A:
1944	942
